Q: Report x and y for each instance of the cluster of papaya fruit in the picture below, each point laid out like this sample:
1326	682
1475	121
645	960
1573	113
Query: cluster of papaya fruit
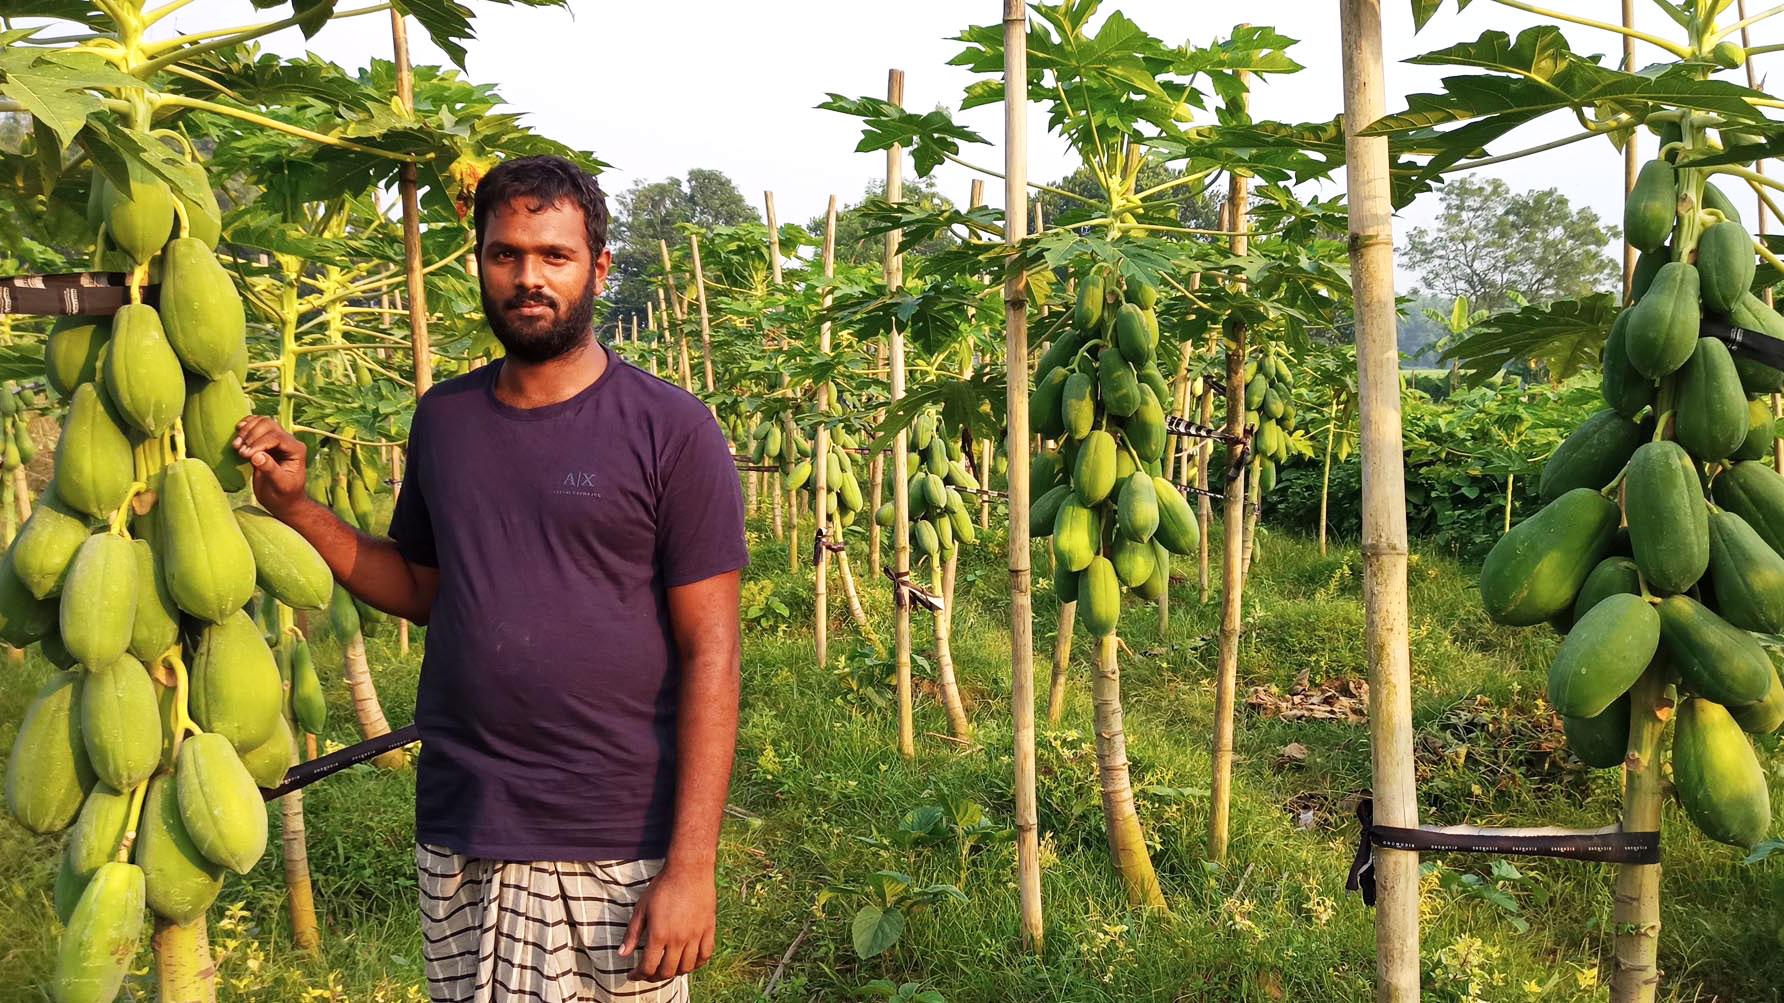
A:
1270	409
941	518
1685	573
1101	495
132	562
345	477
842	489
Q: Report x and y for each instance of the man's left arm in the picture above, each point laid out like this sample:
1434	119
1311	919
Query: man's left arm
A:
674	924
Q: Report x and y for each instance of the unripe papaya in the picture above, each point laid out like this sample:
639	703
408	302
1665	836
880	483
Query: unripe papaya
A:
1762	430
179	882
1720	782
922	431
1088	312
1065	584
99	945
1710	415
1625	389
1663	324
935	458
268	761
1044	508
1652	206
54	652
1151	377
884	515
964	530
98	602
204	217
1591	456
1669	526
1177	526
1647	265
1093	476
1747	575
1535	571
24	618
236	690
1156	587
1077	404
1145	431
1603	656
47	774
1766	716
67	890
1124	465
960	477
1755	492
121	723
1725	265
98	830
71	352
1600	742
285	564
1715	659
139	216
1137	507
1141	293
142	374
1059	354
935	493
47	543
1615	575
343	615
1131	337
212	411
1077	534
1133	560
207	562
1099	597
1120	384
156	625
94	465
925	539
1044	403
220	803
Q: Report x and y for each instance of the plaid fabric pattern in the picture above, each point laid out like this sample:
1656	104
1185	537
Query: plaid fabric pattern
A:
495	931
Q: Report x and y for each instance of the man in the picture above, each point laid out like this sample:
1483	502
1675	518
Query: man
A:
571	530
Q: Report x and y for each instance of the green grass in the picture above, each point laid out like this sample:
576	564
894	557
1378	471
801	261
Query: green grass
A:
820	790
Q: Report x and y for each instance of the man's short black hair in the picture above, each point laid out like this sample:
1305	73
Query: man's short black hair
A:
546	180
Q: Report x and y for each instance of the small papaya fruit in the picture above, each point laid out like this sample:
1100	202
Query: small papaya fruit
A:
98	604
99	945
121	723
48	774
220	803
236	691
94	465
207	562
1652	206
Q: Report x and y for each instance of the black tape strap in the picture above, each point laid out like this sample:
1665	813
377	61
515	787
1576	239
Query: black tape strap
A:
821	542
1608	845
1759	347
906	593
304	774
70	294
1184	427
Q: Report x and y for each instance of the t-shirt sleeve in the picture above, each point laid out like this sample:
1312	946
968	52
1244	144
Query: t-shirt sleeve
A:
411	527
700	510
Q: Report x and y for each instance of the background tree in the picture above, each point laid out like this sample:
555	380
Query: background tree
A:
649	211
1489	243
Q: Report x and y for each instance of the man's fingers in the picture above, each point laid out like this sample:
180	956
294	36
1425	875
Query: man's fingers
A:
648	968
706	946
634	928
690	959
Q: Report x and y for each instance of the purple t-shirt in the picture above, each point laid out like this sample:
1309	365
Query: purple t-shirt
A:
547	701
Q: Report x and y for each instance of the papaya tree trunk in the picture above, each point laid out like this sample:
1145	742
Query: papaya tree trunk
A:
21	490
1204	504
1325	484
942	578
1635	912
1510	483
1254	505
1127	841
184	972
774	500
366	709
856	613
300	896
1164	604
1062	662
876	488
985	450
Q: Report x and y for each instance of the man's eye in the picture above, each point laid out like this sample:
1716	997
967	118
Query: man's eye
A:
504	255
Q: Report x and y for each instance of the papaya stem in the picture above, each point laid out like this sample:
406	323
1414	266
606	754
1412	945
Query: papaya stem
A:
182	687
1765	253
120	520
129	840
139	277
179	438
179	211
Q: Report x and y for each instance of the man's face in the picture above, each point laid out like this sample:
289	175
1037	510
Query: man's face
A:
539	278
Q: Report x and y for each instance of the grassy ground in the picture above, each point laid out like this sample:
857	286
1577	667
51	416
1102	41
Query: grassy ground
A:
820	795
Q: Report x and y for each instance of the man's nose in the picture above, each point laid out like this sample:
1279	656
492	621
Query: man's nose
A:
529	274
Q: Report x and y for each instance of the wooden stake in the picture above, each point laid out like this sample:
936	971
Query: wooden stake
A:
681	316
788	426
1630	164
1384	503
901	513
1016	444
705	321
821	452
407	188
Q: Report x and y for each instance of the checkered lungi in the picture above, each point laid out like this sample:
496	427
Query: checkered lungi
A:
497	931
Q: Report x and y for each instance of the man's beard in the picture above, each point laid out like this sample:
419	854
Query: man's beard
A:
536	344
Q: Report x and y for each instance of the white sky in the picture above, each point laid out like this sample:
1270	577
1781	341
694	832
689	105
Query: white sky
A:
657	88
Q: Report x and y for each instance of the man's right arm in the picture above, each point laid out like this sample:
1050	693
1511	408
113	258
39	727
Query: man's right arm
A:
369	567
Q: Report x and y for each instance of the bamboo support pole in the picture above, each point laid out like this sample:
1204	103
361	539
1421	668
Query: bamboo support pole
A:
821	452
1761	209
679	325
1232	564
1016	444
705	320
1384	503
789	428
901	513
407	188
1631	162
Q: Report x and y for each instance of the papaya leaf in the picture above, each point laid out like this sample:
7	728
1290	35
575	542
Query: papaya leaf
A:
931	137
1565	336
56	87
448	22
875	929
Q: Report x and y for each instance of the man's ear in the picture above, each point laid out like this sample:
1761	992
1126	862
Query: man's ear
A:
603	262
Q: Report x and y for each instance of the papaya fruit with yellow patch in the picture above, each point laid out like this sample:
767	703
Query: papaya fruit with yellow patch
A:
207	563
220	803
180	882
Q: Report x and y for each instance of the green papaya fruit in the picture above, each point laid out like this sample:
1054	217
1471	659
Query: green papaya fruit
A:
1045	508
207	562
47	543
958	476
121	723
1715	659
849	493
1535	571
1088	312
139	216
203	215
924	538
343	615
1710	414
142	375
1669	526
1137	507
1591	456
180	883
67	890
55	652
94	465
1145	431
1600	742
797	479
1647	265
1755	492
1093	476
1059	354
235	688
964	531
1119	383
1652	206
1615	575
1725	265
935	493
1604	654
1044	472
1747	575
1141	293
268	761
1156	587
156	625
1625	389
98	830
1124	465
24	618
99	945
1177	530
884	515
1078	404
1752	314
47	774
1151	377
1762	430
1077	533
935	458
71	352
1099	597
1045	409
1720	782
1133	560
1131	336
1714	198
1766	716
220	803
1663	324
98	603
